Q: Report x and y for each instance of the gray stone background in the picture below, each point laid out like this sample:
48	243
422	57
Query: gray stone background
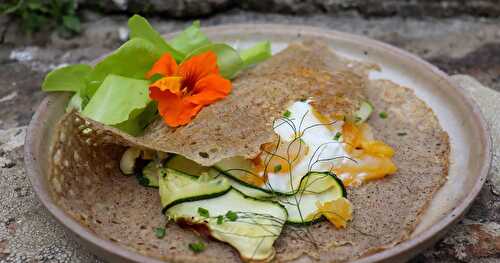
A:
460	37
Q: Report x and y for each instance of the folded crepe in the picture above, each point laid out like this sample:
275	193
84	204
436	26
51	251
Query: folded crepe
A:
87	183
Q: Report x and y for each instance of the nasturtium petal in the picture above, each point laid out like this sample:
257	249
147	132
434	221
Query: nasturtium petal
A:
228	59
117	98
256	54
140	28
69	78
190	39
132	60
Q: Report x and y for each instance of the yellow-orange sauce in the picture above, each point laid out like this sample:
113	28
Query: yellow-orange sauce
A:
372	158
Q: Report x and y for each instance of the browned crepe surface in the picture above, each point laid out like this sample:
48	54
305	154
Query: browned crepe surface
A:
242	122
87	182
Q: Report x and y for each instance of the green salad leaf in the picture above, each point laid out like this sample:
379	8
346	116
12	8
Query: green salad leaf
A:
133	59
228	59
69	78
116	99
75	102
136	124
256	54
115	91
190	39
140	28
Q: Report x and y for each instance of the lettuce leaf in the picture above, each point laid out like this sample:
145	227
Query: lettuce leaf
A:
256	54
135	125
133	59
117	98
140	28
228	59
75	102
115	91
70	78
190	39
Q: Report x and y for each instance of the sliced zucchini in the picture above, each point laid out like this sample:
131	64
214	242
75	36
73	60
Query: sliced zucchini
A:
183	164
364	112
150	174
249	225
187	166
247	190
238	169
177	187
318	182
127	162
302	207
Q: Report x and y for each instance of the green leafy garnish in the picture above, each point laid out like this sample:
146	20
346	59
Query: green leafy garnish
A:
228	60
121	97
232	216
140	28
133	59
190	39
75	102
256	54
160	232
72	23
115	91
135	125
197	247
203	212
402	133
337	136
277	168
220	220
35	15
287	114
70	78
383	115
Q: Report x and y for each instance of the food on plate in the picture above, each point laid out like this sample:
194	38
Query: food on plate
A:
272	157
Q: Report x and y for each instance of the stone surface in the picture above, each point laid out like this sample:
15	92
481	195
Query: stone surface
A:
491	98
465	45
368	8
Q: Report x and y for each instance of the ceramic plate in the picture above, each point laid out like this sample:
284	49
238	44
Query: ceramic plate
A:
457	114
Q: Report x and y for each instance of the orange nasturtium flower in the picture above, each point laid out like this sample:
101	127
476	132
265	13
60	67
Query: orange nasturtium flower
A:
186	88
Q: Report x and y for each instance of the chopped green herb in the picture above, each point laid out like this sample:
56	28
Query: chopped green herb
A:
337	136
144	181
203	212
402	133
232	216
197	247
220	220
160	232
277	168
287	114
303	100
382	114
163	173
357	119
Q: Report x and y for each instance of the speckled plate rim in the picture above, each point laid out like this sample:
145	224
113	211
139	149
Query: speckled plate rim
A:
399	252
